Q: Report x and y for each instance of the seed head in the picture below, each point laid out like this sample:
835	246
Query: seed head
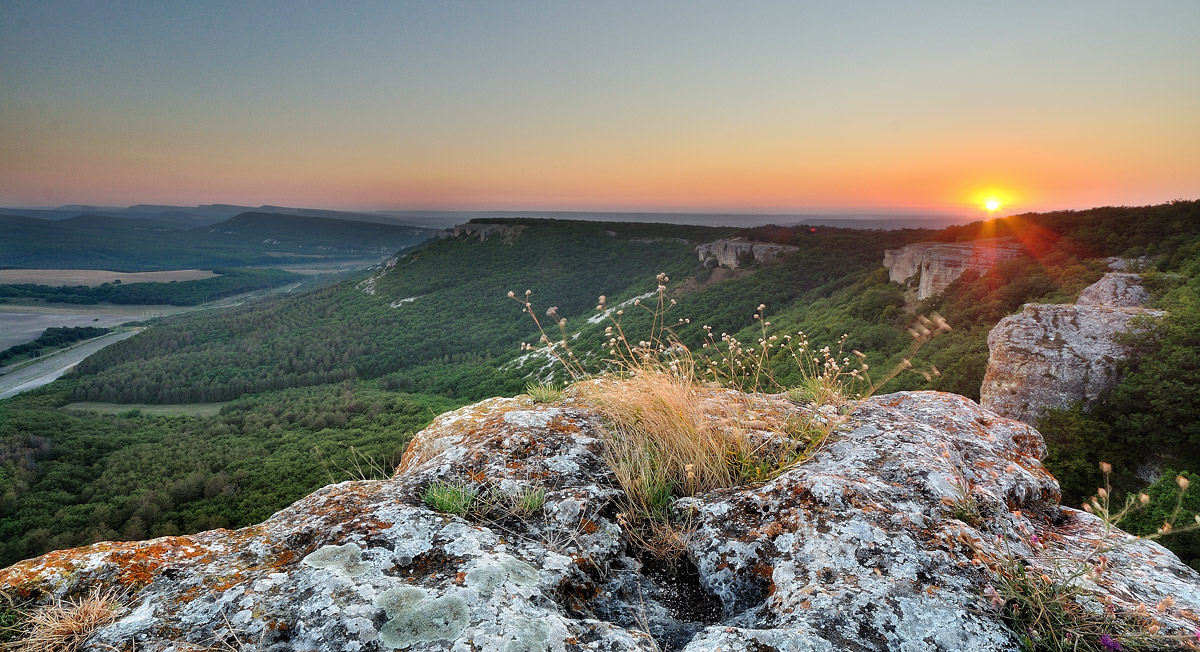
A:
1105	467
1182	482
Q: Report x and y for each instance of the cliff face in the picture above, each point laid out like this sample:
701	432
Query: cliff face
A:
739	253
941	263
857	549
1053	355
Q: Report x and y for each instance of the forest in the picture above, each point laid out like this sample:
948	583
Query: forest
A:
317	380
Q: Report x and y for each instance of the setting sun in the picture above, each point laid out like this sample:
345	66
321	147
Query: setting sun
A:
992	204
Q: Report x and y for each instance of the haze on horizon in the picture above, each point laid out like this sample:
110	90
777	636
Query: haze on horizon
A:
664	106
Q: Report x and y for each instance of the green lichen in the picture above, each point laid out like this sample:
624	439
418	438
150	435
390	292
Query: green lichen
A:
412	618
486	578
531	636
345	558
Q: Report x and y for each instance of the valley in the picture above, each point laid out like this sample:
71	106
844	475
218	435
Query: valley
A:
313	382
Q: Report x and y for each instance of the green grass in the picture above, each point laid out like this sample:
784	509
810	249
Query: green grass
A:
456	499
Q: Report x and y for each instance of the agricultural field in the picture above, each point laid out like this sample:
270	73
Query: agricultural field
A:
173	409
94	277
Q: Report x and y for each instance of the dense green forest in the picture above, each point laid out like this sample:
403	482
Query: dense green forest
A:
368	361
249	239
54	337
227	283
69	478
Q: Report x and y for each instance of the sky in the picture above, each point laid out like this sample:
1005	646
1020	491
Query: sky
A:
619	106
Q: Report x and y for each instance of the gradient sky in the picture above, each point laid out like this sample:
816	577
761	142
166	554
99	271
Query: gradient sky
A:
710	106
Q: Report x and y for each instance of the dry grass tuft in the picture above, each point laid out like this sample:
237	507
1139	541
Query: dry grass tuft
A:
65	625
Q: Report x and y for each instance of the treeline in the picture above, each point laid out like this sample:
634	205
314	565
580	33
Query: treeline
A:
52	338
228	282
72	478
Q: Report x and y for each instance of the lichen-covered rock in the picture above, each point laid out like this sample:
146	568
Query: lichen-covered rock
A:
1055	355
860	548
740	253
940	263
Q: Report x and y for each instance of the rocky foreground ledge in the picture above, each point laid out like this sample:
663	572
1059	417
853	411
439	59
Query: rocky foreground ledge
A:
857	549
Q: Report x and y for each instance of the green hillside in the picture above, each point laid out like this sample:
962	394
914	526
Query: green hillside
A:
367	362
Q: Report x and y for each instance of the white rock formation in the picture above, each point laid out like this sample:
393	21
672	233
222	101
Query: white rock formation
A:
739	253
1054	355
940	263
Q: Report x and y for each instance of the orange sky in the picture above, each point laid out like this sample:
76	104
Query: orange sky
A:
601	106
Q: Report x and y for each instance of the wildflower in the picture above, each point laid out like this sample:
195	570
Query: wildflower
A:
1105	467
1143	498
511	294
1109	642
1182	482
1102	492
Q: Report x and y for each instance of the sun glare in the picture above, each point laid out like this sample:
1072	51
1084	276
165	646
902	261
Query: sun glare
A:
992	204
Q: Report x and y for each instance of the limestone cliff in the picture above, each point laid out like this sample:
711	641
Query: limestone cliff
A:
860	548
940	263
1054	355
739	253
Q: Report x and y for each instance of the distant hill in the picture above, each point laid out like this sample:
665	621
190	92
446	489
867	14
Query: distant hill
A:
104	241
315	234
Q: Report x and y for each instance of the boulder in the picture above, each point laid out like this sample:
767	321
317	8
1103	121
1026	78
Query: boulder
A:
1115	290
863	547
1055	355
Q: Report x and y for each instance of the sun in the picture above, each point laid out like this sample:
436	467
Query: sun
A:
992	204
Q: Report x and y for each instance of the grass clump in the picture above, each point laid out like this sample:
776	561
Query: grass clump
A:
456	499
528	502
65	625
1047	602
543	392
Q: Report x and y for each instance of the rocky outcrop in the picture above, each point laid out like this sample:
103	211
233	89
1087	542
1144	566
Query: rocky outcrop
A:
1115	290
506	231
940	263
740	253
861	548
1054	355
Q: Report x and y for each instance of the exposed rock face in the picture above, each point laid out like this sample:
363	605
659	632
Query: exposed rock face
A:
739	253
485	231
857	549
1054	355
940	263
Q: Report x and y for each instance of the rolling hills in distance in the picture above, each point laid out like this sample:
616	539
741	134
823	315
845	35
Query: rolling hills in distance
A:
246	239
306	386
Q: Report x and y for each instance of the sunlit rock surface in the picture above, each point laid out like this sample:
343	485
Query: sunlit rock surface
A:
1054	355
858	549
940	263
740	253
